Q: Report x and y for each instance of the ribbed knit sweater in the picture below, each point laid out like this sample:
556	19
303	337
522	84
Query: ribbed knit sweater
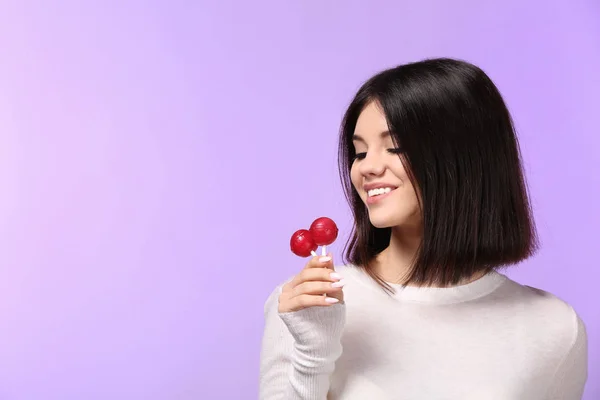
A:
489	339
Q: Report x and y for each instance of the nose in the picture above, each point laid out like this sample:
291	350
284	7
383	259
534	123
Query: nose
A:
372	165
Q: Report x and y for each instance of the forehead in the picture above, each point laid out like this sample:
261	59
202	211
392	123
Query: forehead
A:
371	122
371	125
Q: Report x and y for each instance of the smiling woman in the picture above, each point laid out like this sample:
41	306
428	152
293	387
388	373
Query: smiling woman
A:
456	141
432	171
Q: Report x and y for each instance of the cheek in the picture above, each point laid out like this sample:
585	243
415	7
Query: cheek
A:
398	170
412	202
355	177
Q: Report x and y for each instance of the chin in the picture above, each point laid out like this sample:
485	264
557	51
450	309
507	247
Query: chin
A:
382	218
383	221
382	225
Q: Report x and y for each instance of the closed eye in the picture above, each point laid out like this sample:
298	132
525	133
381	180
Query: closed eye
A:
396	150
360	156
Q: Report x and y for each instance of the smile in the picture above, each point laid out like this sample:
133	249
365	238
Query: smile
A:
376	195
379	191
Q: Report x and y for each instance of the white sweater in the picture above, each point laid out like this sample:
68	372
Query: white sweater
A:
490	339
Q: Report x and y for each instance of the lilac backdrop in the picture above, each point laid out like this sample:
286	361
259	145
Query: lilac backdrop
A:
154	160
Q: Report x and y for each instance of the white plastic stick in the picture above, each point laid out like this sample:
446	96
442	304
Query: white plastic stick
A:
313	253
324	253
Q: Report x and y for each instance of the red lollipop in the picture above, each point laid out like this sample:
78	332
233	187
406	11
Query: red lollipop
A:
324	232
302	243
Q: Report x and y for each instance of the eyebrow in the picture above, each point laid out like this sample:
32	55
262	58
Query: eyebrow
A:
357	138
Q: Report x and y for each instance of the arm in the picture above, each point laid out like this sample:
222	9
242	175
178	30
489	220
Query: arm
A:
299	350
571	375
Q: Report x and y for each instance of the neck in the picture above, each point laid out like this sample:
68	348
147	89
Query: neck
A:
394	263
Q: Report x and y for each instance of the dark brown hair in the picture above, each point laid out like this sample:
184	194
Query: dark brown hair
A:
462	155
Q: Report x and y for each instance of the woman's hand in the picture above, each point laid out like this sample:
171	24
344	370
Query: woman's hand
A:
307	289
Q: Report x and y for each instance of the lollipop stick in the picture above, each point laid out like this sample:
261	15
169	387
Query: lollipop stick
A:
324	253
313	253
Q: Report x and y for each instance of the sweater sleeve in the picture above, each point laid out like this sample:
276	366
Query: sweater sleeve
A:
571	375
299	350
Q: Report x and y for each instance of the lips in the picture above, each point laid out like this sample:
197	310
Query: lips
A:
378	192
378	185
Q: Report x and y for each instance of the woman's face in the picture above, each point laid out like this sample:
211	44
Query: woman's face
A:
378	175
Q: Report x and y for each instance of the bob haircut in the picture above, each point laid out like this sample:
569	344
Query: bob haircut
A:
462	156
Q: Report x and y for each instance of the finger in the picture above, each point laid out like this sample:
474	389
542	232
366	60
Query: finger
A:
316	288
314	274
320	262
307	300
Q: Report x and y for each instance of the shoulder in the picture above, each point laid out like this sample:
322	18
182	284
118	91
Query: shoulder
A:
538	302
548	319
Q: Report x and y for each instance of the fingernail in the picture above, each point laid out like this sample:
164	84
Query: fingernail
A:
331	300
335	276
338	284
324	259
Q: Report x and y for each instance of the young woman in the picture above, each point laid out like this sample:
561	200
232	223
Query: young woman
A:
432	171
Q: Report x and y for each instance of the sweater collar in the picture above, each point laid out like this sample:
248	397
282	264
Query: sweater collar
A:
435	295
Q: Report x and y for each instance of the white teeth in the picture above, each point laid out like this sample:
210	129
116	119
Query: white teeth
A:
377	192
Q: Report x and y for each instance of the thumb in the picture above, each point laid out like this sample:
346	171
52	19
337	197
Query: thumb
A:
329	264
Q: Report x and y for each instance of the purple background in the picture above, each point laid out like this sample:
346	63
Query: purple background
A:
155	157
